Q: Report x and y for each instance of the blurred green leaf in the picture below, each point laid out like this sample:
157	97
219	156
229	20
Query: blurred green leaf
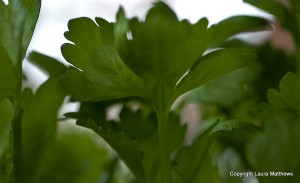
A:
213	66
8	81
93	116
274	7
189	160
139	127
286	17
72	157
227	91
17	23
48	64
123	145
39	123
276	148
208	150
176	133
235	131
288	95
238	24
6	116
32	13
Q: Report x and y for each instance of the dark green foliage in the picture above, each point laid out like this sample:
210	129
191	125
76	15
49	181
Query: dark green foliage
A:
191	162
237	24
8	81
72	157
51	66
134	136
6	113
144	59
280	133
288	95
133	58
281	154
142	67
39	123
17	22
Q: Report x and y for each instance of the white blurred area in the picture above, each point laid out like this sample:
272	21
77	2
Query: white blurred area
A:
55	14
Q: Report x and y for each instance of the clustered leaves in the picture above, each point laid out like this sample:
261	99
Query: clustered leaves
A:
145	58
143	66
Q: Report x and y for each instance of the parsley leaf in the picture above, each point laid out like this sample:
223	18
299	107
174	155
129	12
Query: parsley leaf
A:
232	26
191	162
75	157
102	73
134	137
6	113
39	122
17	22
288	96
144	58
48	64
8	81
276	147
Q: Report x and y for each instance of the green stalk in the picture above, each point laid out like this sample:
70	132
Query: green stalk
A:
17	149
16	127
165	173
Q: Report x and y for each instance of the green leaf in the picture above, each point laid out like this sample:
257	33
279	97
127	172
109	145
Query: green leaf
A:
143	128
6	113
17	23
33	10
124	146
288	95
227	91
161	49
295	6
213	66
276	148
137	126
161	43
234	133
6	122
232	26
39	123
48	64
176	133
281	12
75	157
189	160
102	73
121	28
93	116
158	52
8	81
271	6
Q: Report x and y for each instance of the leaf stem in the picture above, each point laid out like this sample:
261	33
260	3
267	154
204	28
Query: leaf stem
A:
17	149
165	173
